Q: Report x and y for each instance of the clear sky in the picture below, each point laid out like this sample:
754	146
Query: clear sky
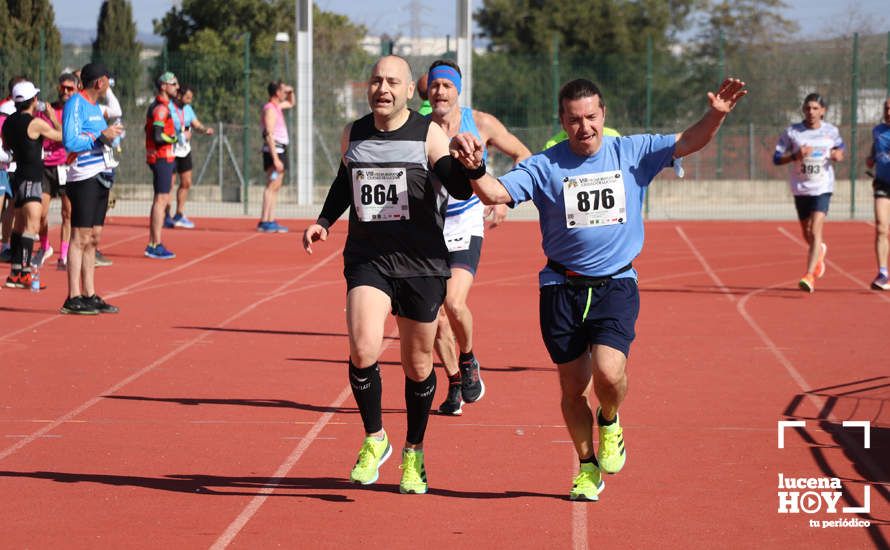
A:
815	17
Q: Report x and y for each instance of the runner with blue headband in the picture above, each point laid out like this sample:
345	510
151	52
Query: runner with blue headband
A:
464	225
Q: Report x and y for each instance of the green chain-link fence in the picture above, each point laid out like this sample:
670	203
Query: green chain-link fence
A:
658	91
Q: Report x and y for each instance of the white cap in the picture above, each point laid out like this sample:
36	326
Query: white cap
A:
23	91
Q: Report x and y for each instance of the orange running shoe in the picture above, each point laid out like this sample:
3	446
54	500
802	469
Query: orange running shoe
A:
808	283
820	265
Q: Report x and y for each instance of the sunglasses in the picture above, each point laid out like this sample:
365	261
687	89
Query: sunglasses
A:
67	88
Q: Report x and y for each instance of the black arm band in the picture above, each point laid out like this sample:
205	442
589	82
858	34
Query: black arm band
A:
338	199
450	172
477	172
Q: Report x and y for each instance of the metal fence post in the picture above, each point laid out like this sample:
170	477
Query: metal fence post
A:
219	176
245	185
554	77
648	108
751	158
42	66
854	121
887	63
721	67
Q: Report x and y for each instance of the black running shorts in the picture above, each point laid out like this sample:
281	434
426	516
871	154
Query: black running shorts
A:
89	202
881	189
610	320
52	186
415	298
184	164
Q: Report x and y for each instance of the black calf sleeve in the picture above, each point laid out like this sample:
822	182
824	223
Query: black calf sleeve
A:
418	401
366	388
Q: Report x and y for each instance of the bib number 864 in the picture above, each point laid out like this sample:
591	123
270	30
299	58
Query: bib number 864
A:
588	201
378	194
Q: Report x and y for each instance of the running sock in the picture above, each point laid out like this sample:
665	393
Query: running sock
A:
27	244
589	460
64	250
44	242
15	251
883	271
418	401
466	357
367	388
602	421
454	379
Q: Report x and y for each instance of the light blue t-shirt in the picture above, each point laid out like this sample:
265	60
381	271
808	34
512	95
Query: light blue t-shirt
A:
590	232
881	151
187	115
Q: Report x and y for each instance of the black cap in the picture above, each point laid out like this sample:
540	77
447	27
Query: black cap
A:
92	72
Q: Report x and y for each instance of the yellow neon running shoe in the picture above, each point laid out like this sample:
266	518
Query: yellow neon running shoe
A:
588	484
611	453
413	472
807	283
371	456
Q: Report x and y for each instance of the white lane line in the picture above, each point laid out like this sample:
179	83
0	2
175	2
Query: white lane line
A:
701	259
273	482
874	470
128	290
579	515
145	370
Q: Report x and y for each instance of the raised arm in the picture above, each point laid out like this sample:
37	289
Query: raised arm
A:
700	134
449	171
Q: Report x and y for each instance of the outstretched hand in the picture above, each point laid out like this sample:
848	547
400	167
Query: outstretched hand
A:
467	149
730	92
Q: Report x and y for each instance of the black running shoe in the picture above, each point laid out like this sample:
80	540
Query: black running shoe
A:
471	386
79	306
452	404
101	305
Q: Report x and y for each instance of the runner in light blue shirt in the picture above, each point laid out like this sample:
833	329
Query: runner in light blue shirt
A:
588	192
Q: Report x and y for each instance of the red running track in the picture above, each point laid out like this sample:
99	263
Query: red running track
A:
214	410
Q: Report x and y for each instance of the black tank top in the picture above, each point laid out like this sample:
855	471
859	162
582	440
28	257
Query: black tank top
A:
397	205
27	152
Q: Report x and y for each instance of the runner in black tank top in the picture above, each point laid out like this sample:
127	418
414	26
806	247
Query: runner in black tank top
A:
393	177
24	134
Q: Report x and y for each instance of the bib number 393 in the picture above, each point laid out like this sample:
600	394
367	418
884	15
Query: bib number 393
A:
595	199
380	194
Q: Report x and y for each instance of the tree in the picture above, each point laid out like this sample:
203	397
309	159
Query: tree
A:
33	27
116	47
583	26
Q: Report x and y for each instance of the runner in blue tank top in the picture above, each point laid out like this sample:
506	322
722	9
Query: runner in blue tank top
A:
464	226
589	192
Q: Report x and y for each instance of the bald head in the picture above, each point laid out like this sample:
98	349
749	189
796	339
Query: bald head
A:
389	89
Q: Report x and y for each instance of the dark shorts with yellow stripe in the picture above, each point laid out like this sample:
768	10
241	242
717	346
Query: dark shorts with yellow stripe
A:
611	316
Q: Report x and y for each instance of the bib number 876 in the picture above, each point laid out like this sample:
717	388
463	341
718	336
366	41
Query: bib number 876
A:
588	201
378	194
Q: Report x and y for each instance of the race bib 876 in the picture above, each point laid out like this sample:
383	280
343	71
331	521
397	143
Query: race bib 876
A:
595	199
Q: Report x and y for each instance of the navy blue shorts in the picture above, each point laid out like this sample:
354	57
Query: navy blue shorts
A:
467	259
614	306
162	175
415	298
806	204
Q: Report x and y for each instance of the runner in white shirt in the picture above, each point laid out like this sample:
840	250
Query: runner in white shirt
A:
811	146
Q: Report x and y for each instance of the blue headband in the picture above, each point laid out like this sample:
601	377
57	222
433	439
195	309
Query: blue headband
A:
446	72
